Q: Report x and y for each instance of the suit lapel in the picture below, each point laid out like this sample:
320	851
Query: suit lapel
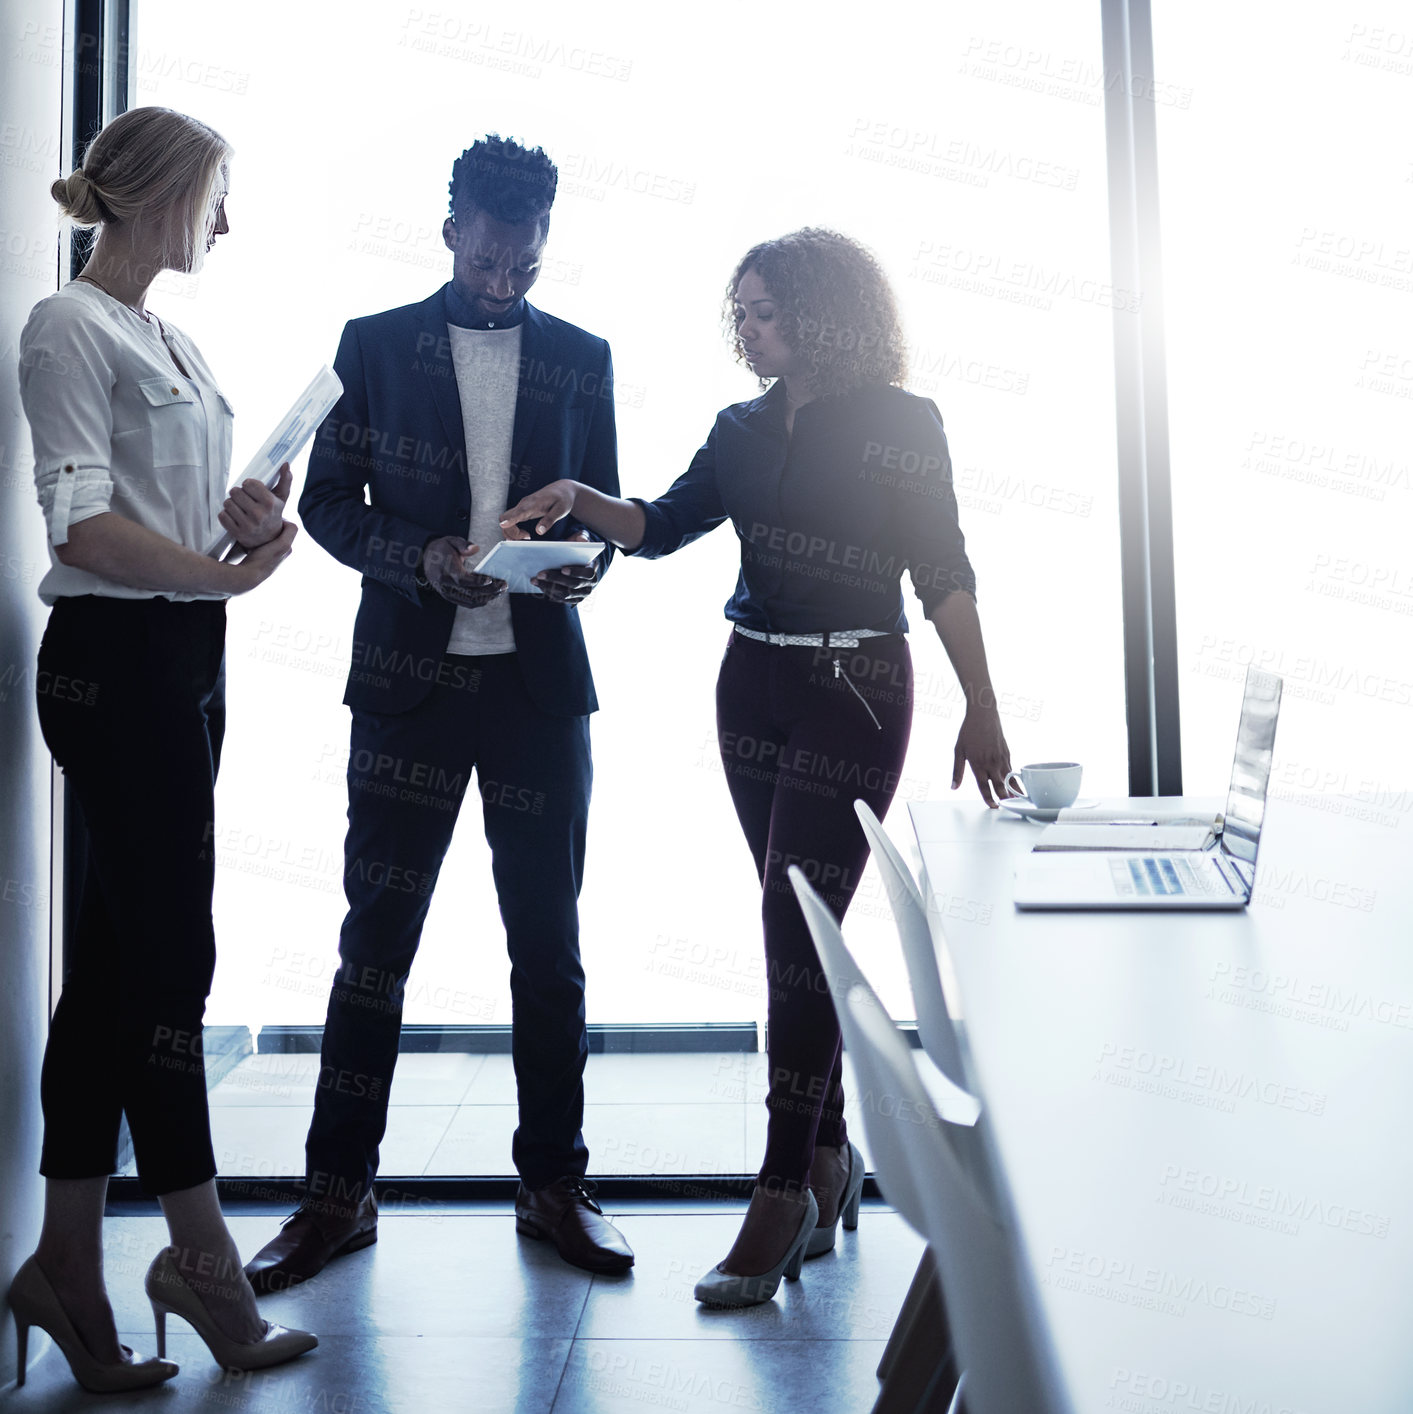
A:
535	350
434	356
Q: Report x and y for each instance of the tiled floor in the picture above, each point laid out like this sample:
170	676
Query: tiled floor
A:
450	1310
453	1114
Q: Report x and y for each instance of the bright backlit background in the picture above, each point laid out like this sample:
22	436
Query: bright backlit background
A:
1287	192
926	134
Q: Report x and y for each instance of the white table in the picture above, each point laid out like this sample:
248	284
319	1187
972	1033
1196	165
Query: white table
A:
1205	1122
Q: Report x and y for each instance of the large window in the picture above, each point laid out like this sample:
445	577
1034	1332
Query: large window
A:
1289	274
965	146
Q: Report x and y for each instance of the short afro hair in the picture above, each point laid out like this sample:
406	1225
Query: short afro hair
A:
512	183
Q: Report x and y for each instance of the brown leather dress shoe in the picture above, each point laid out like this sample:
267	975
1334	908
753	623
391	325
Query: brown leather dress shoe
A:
565	1212
308	1240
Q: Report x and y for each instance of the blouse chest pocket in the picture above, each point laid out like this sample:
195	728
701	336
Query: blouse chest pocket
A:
225	426
176	421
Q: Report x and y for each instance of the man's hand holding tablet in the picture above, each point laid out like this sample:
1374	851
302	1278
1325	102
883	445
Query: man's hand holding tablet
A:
569	584
572	583
562	571
448	569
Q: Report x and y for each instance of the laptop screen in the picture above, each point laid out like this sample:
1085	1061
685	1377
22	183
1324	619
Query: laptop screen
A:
1251	767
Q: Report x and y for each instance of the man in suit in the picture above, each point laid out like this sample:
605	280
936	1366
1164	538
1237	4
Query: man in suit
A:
452	410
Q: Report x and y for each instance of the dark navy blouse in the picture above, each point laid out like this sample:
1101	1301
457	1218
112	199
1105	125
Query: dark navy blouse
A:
829	517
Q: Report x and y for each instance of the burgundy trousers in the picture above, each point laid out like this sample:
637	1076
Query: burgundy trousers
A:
800	742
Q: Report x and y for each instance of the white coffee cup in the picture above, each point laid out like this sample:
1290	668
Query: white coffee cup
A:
1051	785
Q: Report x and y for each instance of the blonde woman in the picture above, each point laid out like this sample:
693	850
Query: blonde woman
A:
132	440
836	482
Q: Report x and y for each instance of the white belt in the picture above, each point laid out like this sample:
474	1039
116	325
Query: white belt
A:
847	638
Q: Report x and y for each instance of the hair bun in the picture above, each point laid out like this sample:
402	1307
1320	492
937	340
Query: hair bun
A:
78	198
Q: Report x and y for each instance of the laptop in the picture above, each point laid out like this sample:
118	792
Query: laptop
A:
1219	877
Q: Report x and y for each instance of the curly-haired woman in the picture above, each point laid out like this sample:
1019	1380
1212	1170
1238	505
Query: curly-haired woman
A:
836	481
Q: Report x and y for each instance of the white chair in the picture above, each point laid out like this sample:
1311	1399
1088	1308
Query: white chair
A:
928	1160
917	1367
843	973
938	1035
997	1329
935	1027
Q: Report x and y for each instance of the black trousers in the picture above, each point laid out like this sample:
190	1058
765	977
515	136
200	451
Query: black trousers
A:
407	775
799	747
131	703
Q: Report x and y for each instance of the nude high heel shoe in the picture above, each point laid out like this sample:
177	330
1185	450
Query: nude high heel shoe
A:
35	1303
718	1288
169	1292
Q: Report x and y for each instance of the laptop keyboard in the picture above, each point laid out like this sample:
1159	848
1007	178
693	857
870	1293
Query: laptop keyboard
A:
1162	875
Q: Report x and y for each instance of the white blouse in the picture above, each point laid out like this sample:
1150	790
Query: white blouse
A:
117	427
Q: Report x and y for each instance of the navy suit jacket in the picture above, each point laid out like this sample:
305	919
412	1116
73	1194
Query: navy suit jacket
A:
397	433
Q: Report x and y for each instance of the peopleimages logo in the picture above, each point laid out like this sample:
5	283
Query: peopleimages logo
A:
1213	1086
945	155
1069	77
1308	675
1312	461
583	173
449	36
1021	281
1146	1392
1342	1002
1254	1203
1117	1278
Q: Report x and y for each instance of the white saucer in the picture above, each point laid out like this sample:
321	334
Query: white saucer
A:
1019	805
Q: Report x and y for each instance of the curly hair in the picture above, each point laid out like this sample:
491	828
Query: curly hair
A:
514	184
835	309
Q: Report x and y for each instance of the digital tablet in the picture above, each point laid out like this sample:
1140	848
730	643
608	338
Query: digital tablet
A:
285	443
517	562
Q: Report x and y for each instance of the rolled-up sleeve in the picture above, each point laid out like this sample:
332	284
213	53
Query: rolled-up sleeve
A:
66	387
687	510
928	525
